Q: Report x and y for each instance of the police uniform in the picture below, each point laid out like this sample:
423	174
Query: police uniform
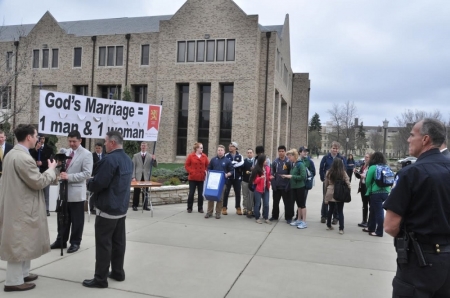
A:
421	196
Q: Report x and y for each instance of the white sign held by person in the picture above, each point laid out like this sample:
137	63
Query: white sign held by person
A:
60	113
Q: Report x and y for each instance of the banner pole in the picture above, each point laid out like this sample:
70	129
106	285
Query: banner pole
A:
147	195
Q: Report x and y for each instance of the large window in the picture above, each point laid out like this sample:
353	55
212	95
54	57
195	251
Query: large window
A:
140	93
55	57
81	90
203	121
45	55
226	114
35	58
209	50
9	60
145	54
5	97
111	92
183	106
77	53
110	56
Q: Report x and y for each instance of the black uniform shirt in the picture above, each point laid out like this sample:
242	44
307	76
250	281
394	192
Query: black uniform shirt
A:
421	195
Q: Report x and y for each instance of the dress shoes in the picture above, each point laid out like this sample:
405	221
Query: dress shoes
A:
93	283
147	209
30	277
110	275
57	244
73	248
22	287
135	209
48	213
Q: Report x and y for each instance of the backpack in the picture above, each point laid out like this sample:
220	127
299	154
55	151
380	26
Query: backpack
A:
309	180
342	192
384	176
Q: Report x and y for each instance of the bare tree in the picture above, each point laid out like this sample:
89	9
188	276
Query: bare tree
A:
376	140
342	117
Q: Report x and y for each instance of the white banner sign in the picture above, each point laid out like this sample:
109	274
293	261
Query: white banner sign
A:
60	113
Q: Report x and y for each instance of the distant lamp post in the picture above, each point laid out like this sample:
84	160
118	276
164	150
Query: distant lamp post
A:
346	144
385	127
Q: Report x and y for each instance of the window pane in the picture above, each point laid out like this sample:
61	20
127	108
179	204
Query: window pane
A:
181	51
200	51
45	58
119	56
77	57
210	44
230	49
9	60
145	54
191	51
110	58
220	50
102	57
35	58
55	54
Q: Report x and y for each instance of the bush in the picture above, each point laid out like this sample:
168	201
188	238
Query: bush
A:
174	181
180	173
163	173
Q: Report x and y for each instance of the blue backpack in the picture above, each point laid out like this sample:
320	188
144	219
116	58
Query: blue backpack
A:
384	176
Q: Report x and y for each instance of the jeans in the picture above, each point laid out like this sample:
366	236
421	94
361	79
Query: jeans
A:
324	211
376	215
287	200
236	183
339	206
265	197
192	186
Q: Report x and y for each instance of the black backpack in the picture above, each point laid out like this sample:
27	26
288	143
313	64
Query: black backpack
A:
341	192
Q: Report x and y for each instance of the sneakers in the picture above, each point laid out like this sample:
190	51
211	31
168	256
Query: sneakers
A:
295	222
258	221
244	212
238	211
273	219
323	220
249	214
288	221
268	222
330	228
341	232
334	222
217	215
208	215
363	224
302	225
224	211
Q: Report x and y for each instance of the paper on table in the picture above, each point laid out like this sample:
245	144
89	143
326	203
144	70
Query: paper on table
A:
213	180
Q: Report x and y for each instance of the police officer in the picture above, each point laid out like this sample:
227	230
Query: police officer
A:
418	215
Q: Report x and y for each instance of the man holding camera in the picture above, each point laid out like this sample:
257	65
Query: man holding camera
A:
78	170
418	216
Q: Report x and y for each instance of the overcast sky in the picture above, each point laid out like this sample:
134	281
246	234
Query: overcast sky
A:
385	55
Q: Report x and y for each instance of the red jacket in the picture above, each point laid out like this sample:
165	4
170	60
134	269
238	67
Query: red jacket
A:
260	181
196	167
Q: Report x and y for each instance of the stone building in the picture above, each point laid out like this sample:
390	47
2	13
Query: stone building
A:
221	74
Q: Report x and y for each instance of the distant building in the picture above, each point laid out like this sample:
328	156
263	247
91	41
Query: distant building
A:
222	75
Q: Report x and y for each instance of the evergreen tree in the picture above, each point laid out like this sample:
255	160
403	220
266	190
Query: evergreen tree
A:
315	124
361	140
130	147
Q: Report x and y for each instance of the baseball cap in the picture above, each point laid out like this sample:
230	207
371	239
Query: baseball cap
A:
302	148
234	144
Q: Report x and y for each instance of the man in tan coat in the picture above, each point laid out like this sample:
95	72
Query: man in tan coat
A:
141	172
23	220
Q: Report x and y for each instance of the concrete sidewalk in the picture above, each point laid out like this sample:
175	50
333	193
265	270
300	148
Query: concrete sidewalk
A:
176	254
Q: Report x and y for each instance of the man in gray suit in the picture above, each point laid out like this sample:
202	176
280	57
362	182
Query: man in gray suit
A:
141	172
78	170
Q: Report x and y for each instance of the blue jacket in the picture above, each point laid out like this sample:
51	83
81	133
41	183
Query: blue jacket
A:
326	162
237	165
221	164
111	183
278	168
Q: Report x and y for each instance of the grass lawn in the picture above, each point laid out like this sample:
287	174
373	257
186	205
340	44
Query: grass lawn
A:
170	166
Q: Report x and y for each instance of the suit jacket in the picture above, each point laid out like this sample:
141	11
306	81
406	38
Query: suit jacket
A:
79	170
46	153
23	221
8	147
140	167
95	157
446	153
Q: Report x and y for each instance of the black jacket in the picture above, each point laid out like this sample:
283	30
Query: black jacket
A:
111	183
46	153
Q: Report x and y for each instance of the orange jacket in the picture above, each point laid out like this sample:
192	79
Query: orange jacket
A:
196	166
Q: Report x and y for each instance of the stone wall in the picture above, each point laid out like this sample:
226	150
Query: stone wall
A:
170	195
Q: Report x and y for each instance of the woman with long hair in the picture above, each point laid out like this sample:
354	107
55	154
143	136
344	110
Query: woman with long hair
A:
297	178
336	172
350	166
196	164
260	178
361	175
377	196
